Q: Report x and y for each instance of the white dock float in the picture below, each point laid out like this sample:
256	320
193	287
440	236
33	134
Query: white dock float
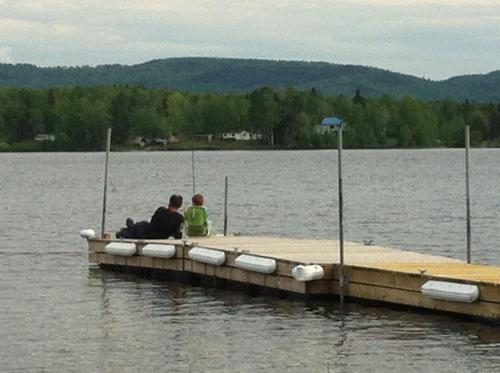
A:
308	272
207	256
87	233
451	291
256	263
121	248
159	251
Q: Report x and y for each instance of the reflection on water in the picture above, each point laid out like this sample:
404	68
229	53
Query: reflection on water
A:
219	329
57	314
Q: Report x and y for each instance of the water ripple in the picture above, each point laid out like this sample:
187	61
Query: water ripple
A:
59	314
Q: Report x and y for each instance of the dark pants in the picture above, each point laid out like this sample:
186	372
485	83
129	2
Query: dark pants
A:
138	230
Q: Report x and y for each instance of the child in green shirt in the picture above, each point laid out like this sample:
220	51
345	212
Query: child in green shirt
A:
196	218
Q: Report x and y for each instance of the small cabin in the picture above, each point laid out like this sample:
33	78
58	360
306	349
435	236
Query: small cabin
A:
329	125
45	137
173	139
241	136
158	141
139	140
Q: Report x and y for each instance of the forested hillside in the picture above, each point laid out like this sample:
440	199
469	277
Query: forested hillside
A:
240	76
79	116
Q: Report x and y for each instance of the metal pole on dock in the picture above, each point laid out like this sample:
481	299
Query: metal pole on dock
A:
225	207
467	191
341	218
192	169
108	147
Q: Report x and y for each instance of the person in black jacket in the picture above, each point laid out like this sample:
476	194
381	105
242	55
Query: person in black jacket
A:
165	223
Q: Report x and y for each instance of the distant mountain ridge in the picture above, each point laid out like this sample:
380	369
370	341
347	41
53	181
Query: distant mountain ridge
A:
229	75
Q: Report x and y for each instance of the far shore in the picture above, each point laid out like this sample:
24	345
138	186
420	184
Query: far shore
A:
205	146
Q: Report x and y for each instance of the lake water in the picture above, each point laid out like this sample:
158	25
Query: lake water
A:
58	314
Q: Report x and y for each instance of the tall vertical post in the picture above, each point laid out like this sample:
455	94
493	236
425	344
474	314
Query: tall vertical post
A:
341	218
192	169
108	147
467	192
225	207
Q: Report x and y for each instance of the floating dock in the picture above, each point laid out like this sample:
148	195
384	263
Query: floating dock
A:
311	268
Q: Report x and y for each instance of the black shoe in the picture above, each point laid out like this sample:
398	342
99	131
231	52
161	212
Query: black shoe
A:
129	223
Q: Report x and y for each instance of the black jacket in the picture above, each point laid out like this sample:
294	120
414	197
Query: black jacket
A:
164	224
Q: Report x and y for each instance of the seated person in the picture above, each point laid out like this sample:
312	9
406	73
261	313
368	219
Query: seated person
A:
196	217
165	223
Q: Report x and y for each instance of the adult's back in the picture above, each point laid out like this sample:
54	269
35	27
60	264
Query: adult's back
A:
164	224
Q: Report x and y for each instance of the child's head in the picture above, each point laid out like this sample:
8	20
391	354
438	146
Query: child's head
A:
197	200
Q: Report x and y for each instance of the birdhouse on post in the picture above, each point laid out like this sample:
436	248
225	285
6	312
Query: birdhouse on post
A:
330	124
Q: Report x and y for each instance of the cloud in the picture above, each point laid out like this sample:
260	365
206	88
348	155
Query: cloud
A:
6	55
420	3
15	28
406	36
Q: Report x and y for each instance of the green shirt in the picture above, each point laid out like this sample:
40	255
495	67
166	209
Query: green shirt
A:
196	218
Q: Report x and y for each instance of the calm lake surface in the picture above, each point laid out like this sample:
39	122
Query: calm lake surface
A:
58	314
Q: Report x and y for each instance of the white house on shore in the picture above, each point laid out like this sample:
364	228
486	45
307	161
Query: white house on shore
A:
243	136
157	141
45	137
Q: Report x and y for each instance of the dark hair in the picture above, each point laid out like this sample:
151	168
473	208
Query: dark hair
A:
197	200
175	201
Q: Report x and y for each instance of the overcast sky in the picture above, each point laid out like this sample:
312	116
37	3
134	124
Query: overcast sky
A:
435	39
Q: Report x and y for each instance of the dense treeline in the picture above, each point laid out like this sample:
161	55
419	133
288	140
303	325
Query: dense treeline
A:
286	118
230	75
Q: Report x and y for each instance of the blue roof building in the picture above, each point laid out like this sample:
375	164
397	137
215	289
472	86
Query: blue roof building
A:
332	121
330	124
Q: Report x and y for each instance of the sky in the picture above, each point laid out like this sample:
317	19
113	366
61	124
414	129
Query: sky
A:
432	39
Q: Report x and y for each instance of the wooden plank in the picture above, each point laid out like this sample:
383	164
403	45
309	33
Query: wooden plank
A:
120	260
454	270
222	272
97	245
97	257
315	251
198	268
489	292
134	261
290	284
410	281
284	267
239	275
410	298
210	270
322	287
93	257
158	263
106	258
185	251
146	262
271	282
377	277
230	258
172	264
329	271
179	252
256	278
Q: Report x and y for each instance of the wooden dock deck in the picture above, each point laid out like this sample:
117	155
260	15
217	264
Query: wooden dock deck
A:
372	273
